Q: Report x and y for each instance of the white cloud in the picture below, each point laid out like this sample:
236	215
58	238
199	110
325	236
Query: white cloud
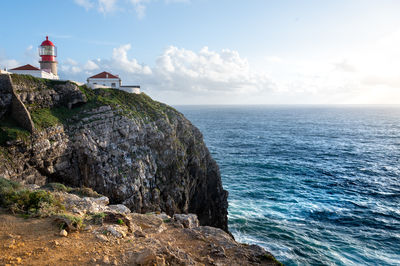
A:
109	6
180	71
106	6
31	55
345	66
121	62
87	4
274	59
70	61
208	71
90	65
140	7
8	63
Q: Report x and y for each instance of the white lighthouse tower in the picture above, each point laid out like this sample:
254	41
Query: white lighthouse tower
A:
48	54
48	63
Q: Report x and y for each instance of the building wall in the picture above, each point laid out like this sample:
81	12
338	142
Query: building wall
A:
105	82
35	73
131	89
4	71
51	66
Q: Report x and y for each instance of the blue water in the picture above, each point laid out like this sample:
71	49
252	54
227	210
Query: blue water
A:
313	185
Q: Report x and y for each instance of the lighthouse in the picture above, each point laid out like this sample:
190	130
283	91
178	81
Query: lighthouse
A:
48	54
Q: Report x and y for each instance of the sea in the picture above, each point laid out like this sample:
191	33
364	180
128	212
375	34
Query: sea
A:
314	185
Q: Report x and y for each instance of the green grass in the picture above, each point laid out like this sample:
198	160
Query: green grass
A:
10	130
74	220
127	104
8	184
85	192
44	118
23	201
80	191
98	218
40	83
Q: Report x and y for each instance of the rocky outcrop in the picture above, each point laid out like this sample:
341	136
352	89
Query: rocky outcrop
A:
43	93
109	236
18	93
136	151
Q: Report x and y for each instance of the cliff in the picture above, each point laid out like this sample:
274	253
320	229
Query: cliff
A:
136	151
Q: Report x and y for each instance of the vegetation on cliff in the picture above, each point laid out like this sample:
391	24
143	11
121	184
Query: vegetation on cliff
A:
23	201
127	104
34	82
10	130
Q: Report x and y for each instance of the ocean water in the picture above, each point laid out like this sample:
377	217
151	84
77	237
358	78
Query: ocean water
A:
314	185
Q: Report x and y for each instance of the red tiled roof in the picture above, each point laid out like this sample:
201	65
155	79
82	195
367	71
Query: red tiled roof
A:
104	75
26	67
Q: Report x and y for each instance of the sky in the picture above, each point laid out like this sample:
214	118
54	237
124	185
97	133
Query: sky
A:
218	51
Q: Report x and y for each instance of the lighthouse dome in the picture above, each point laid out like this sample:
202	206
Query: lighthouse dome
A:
47	42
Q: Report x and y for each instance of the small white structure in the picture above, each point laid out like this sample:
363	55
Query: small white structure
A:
104	79
33	71
4	71
131	89
108	80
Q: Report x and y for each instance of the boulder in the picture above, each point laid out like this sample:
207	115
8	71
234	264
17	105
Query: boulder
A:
187	220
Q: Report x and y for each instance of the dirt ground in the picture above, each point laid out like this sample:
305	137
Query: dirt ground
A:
37	241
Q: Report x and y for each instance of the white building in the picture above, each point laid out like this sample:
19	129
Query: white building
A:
108	80
4	71
104	79
33	71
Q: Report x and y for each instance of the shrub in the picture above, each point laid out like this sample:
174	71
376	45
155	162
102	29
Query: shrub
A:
23	201
69	222
10	130
85	192
98	218
8	184
57	187
80	191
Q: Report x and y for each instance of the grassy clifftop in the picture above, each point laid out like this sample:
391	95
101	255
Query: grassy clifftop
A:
127	104
124	103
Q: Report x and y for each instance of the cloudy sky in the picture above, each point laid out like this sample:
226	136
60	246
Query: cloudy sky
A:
219	51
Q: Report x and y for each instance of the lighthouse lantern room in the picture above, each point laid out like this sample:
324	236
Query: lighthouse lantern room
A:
48	54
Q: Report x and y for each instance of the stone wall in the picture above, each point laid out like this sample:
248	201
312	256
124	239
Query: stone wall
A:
20	96
21	114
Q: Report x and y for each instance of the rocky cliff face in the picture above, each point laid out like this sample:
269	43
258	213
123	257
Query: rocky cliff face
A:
134	150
